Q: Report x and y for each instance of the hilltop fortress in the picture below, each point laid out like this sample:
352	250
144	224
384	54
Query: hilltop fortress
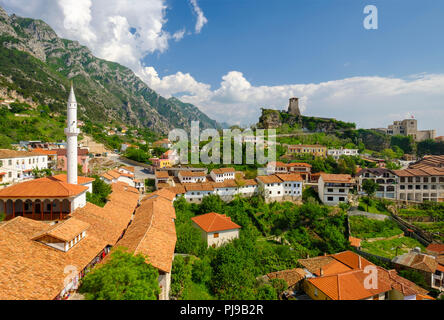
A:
272	119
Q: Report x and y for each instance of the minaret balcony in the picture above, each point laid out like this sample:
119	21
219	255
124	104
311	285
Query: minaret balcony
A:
72	131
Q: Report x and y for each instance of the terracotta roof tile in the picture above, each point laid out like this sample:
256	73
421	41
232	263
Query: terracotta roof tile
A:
9	154
42	188
162	175
290	177
292	276
153	233
212	222
66	230
337	178
269	179
224	170
436	248
80	180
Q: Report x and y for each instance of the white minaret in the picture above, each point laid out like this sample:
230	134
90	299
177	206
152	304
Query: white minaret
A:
71	136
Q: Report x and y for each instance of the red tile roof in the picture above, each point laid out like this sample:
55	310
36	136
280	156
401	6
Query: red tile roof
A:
80	180
213	222
337	178
48	187
436	248
153	233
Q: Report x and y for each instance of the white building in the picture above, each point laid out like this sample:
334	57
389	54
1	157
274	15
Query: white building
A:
50	198
386	180
17	166
114	176
192	177
195	192
337	153
222	174
334	188
418	185
216	229
281	187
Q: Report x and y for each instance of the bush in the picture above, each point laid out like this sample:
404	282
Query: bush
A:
123	277
202	271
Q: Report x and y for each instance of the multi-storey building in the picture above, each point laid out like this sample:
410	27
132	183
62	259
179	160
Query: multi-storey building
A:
385	178
418	185
222	174
409	127
337	153
315	150
17	166
301	168
192	176
334	188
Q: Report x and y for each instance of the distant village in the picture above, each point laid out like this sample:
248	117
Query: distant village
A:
49	224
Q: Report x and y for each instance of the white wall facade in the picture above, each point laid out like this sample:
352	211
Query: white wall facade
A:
337	153
20	169
333	193
217	239
78	202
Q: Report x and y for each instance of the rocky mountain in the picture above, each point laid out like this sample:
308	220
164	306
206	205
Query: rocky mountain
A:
36	64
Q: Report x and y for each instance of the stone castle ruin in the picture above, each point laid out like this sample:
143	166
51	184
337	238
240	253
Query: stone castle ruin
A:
293	107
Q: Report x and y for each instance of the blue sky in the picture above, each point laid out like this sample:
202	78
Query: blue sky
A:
232	57
288	41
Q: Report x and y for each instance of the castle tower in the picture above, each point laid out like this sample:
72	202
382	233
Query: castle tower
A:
293	107
71	133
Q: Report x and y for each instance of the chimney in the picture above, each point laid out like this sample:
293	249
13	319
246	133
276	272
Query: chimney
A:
359	262
321	272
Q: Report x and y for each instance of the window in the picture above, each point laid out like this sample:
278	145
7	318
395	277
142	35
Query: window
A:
330	199
341	199
341	190
330	190
216	235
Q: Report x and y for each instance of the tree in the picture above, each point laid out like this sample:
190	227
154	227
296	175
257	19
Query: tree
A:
123	277
189	240
212	203
180	276
202	271
101	191
370	187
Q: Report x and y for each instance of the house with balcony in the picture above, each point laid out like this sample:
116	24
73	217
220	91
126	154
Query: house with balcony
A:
418	185
17	166
335	188
385	178
314	150
222	174
337	153
192	176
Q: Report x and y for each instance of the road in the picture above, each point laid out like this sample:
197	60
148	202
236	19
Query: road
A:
140	171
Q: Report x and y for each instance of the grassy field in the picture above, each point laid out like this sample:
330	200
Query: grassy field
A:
197	291
365	228
387	248
374	207
432	227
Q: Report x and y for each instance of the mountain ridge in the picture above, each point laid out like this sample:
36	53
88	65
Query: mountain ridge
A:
106	90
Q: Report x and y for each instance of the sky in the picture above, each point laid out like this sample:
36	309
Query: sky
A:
233	57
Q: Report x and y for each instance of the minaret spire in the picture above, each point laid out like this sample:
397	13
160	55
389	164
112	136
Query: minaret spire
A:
71	133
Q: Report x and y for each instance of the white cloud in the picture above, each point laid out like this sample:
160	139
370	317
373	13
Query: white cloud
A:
201	19
118	30
367	101
126	31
